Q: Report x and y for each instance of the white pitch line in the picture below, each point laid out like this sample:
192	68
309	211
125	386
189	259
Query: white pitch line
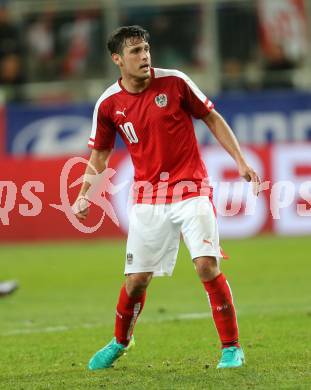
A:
65	328
48	329
184	316
177	317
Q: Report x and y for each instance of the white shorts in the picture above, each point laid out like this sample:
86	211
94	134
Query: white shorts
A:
154	234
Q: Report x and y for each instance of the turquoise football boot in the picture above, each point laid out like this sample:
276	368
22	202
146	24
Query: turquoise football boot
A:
231	357
105	357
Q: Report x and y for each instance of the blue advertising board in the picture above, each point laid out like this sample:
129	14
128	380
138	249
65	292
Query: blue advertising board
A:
264	117
256	118
49	130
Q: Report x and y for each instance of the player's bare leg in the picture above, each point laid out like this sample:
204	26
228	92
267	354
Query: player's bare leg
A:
207	268
136	284
130	304
223	310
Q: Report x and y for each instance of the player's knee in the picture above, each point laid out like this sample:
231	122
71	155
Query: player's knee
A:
136	284
207	268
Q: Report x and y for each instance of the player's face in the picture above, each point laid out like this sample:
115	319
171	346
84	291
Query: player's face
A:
135	61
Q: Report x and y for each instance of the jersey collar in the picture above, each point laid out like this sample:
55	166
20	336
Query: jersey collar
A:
137	93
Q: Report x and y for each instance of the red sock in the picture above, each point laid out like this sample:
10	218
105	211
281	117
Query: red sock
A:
221	302
128	310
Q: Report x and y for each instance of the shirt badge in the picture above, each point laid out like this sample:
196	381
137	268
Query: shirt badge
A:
161	100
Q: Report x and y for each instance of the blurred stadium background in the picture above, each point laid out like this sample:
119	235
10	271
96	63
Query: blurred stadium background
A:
253	59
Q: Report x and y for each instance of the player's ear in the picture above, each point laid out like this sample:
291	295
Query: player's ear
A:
116	58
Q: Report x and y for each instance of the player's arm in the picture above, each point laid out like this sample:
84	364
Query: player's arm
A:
97	164
223	133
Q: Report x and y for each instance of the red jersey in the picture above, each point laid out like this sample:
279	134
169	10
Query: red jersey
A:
157	128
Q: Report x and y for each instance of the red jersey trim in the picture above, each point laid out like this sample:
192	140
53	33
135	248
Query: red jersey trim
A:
210	105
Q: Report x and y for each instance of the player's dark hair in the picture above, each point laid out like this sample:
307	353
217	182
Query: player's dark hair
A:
118	37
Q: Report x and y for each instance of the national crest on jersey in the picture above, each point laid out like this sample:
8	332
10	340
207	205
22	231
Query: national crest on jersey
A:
157	129
161	100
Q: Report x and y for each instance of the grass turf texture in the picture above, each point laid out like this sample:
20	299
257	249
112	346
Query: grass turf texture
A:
64	312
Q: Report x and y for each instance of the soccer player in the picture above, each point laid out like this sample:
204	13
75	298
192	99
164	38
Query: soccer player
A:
151	109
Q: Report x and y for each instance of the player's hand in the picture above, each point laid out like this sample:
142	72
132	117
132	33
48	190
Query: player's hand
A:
80	207
250	175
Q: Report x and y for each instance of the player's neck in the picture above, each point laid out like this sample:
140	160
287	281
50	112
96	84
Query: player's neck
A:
134	85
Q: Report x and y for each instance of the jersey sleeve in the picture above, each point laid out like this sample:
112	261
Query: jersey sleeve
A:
103	132
194	100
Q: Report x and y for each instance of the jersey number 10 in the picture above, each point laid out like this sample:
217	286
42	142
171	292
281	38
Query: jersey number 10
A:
129	131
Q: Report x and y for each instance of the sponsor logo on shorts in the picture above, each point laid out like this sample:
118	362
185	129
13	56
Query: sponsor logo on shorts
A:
207	242
161	100
129	258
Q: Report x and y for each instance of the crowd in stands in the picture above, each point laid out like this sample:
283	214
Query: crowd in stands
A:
52	46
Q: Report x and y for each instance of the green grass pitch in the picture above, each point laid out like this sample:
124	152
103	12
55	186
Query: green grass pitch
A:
64	312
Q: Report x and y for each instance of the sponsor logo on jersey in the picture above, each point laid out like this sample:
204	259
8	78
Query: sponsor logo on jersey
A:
121	112
129	258
161	100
